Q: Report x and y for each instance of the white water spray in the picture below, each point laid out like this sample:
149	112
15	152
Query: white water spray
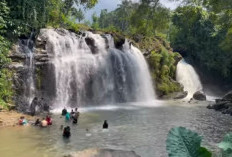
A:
96	72
187	76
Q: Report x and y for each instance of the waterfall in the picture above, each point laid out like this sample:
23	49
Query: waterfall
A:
187	76
89	70
27	46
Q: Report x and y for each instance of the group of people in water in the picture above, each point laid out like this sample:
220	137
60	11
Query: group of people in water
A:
44	122
72	116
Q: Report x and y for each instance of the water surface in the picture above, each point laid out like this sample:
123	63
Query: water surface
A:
142	129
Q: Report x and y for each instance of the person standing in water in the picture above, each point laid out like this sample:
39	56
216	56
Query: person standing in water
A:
75	117
64	112
49	120
105	125
67	116
66	132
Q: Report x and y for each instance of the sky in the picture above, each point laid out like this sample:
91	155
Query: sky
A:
112	5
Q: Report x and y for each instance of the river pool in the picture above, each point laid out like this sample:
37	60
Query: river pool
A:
131	127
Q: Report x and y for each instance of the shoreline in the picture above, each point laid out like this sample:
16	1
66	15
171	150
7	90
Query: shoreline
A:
10	118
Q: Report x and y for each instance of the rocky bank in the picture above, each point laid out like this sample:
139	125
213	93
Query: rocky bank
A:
223	105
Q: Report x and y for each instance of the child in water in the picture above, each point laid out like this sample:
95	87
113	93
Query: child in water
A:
22	121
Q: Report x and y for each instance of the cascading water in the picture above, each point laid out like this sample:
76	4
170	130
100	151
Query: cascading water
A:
187	76
27	46
89	70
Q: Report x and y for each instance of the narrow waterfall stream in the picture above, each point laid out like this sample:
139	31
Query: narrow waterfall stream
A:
89	70
187	76
27	46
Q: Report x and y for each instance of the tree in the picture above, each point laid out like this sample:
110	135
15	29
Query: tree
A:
95	24
28	15
77	14
146	17
4	12
204	35
5	82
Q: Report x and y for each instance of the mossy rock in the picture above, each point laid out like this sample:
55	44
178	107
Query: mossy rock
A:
119	40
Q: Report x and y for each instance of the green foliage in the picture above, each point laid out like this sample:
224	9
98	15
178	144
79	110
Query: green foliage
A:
20	17
4	12
163	71
226	145
202	30
226	153
5	75
149	18
28	15
146	18
95	24
182	142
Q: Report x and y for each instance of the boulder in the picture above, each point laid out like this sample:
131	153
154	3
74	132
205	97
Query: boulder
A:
199	96
220	106
228	96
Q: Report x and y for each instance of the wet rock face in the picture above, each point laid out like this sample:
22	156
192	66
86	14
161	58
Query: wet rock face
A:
181	95
62	67
175	95
199	96
21	65
91	43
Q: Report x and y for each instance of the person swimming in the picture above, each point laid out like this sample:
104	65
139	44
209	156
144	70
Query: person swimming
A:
66	132
88	133
105	125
